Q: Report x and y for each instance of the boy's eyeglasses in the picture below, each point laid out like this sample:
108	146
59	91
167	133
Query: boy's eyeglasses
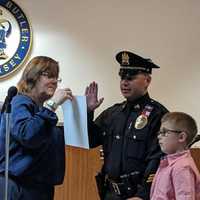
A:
166	132
50	76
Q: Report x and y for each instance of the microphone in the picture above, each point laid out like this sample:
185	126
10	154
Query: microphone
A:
12	91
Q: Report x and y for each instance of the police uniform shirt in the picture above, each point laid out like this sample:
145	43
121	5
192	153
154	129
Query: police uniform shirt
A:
128	147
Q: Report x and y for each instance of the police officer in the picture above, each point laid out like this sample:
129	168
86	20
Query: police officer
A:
127	131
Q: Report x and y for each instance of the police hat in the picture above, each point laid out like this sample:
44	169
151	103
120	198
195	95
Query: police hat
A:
132	64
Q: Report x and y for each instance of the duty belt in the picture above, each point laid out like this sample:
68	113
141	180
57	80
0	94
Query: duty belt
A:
125	186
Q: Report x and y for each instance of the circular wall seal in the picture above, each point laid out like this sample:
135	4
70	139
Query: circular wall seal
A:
15	37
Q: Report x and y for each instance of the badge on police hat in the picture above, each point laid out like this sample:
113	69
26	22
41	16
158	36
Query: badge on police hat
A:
125	59
141	122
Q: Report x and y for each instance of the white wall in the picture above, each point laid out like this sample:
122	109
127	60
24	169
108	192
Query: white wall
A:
84	37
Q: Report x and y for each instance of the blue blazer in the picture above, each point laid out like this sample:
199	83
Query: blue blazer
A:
37	149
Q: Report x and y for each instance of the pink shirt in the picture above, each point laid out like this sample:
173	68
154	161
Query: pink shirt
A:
177	178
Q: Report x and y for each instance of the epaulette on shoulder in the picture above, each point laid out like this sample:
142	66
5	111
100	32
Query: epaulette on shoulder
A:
118	106
158	105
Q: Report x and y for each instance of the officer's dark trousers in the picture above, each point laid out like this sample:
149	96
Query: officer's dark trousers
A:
20	191
112	196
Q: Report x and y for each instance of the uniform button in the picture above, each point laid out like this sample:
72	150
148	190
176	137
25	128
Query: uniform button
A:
117	137
134	137
137	106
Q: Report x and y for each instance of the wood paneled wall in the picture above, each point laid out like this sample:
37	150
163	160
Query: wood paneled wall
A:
81	167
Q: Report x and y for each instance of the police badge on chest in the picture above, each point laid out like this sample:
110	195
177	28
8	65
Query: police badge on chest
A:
142	119
141	122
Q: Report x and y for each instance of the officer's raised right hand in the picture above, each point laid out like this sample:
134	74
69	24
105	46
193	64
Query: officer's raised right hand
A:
91	94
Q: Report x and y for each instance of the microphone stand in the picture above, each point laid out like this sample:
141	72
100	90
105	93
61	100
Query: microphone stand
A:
12	91
7	113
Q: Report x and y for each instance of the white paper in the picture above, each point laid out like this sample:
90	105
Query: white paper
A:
75	122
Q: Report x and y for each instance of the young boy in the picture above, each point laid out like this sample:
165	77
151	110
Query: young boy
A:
177	177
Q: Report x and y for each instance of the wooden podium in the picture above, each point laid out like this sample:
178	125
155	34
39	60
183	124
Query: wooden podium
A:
196	156
81	168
